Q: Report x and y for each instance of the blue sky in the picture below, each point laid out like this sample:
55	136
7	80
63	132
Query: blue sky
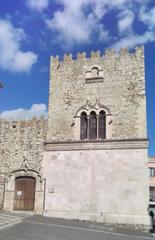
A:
32	30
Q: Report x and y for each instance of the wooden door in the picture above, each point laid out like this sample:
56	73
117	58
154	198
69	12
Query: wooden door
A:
24	193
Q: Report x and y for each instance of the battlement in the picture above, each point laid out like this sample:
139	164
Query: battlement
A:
23	123
108	54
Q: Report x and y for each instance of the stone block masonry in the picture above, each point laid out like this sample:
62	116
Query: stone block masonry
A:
109	186
120	85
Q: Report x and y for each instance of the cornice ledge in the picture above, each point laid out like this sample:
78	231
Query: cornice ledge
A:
96	145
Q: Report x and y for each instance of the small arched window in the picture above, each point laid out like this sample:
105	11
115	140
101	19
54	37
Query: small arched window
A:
102	125
95	72
83	126
92	125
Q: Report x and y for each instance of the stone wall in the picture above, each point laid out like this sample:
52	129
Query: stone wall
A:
102	182
21	144
120	87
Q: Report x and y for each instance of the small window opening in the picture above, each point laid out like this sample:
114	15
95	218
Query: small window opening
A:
95	72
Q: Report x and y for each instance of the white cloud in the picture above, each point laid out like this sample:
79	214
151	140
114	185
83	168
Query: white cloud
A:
11	56
148	17
125	26
82	21
73	26
37	4
67	23
36	110
103	6
134	40
125	22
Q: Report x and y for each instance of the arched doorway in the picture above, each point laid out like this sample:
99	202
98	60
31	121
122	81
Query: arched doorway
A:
24	196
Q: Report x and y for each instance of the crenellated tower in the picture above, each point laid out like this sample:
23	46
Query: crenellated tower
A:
95	153
116	80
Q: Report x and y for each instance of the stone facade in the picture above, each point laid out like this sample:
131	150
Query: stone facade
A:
21	152
97	185
97	179
120	87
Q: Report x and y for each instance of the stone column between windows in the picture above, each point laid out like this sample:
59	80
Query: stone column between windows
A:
97	125
87	127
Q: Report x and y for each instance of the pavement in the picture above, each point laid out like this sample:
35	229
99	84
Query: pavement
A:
9	219
24	227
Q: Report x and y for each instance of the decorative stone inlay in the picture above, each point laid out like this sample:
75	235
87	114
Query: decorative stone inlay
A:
94	80
96	145
97	106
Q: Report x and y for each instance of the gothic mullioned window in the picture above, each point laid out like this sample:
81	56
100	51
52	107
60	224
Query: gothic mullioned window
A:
93	122
93	126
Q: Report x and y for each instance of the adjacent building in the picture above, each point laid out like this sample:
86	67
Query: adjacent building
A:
21	152
151	165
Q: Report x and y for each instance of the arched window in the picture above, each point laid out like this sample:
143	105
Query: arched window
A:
92	126
95	72
102	125
83	126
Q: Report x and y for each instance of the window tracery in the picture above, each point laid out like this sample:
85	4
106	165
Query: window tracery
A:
93	122
93	126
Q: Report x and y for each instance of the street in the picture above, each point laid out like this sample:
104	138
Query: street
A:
44	228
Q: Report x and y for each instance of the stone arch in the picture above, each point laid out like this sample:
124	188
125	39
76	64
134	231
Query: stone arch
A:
10	188
97	107
95	66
